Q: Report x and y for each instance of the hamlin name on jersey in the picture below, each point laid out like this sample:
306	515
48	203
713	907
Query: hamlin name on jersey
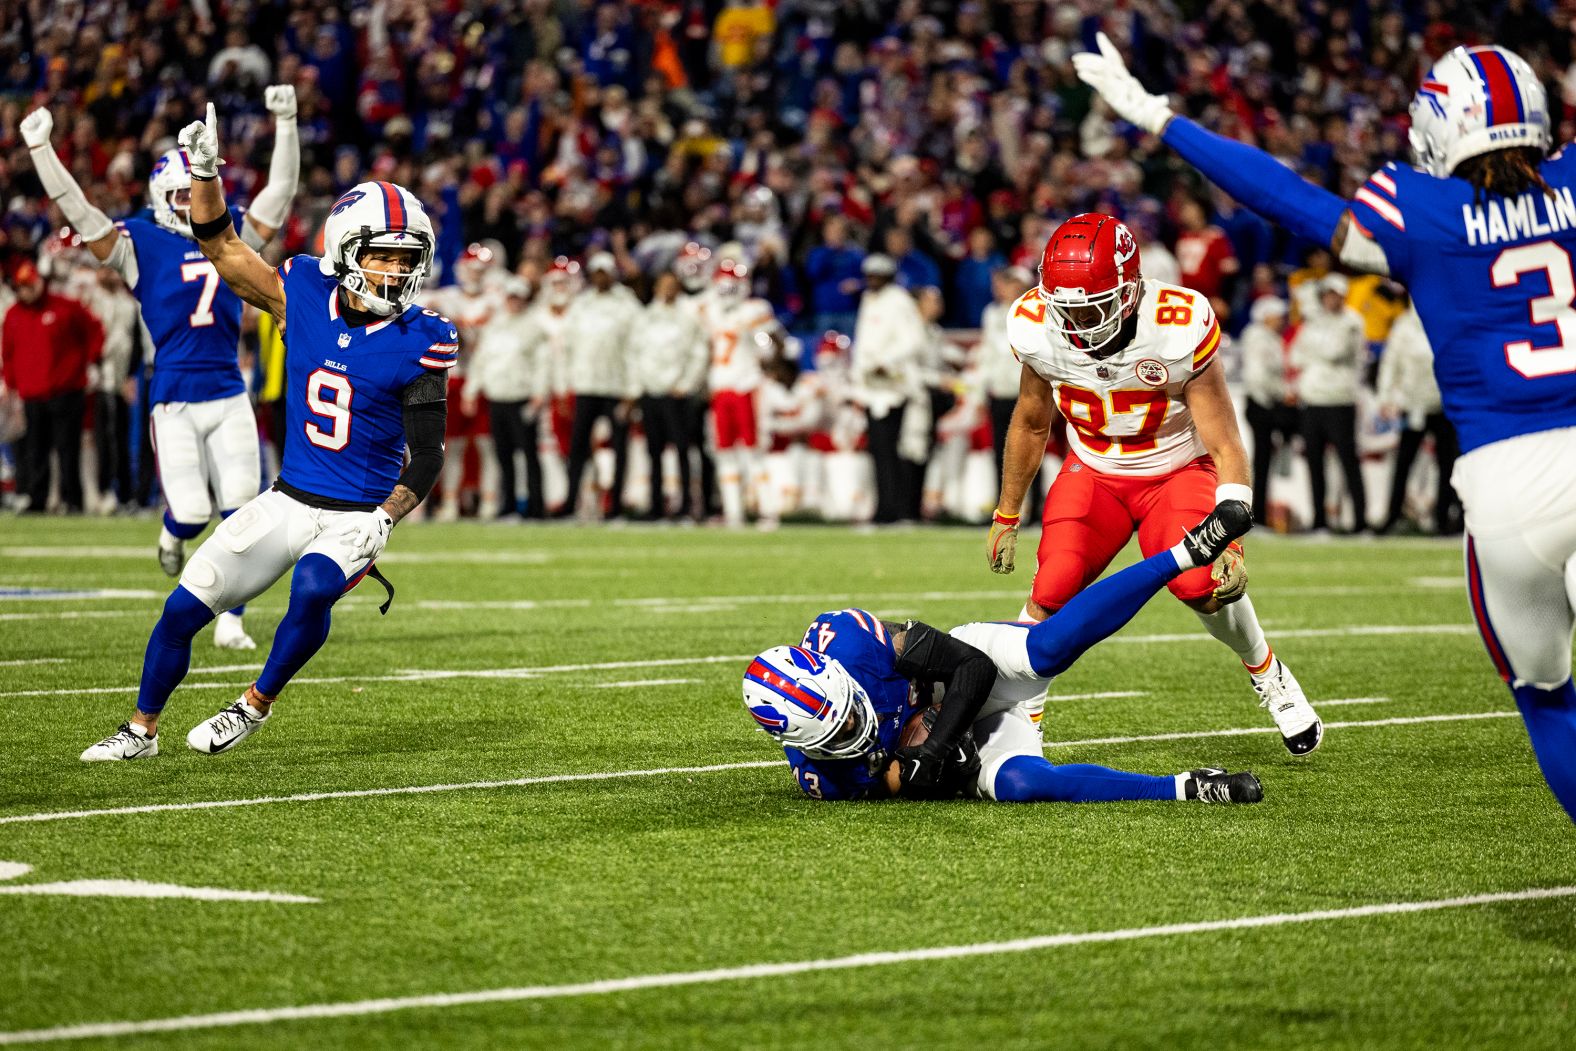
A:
1125	413
345	387
1493	281
193	317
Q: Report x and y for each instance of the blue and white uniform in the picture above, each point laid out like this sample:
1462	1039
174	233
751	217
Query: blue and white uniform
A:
204	432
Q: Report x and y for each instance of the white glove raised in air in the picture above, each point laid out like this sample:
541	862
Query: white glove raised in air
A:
1107	74
200	140
36	127
281	101
367	533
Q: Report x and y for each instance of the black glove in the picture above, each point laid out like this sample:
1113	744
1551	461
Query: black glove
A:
929	771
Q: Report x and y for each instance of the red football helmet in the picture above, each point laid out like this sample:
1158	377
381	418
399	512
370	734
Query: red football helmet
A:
561	281
470	270
691	265
1089	277
731	279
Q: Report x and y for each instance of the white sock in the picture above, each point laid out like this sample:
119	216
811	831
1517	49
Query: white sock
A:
1182	780
1183	556
140	730
1237	625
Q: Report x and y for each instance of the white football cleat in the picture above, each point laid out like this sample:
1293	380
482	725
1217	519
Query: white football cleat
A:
228	634
172	555
224	731
128	742
1299	725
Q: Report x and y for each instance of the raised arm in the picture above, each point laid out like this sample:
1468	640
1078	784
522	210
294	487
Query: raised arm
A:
271	207
91	224
239	265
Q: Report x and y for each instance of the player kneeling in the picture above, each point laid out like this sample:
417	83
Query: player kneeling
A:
837	703
364	375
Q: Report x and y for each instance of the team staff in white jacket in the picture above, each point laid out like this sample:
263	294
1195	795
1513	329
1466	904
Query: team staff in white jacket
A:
1329	352
997	371
889	339
509	369
673	355
1408	391
1271	410
599	337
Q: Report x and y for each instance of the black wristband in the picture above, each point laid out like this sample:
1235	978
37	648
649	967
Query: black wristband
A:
203	178
212	228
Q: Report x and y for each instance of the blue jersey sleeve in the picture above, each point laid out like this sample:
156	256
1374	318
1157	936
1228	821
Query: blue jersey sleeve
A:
1379	209
838	780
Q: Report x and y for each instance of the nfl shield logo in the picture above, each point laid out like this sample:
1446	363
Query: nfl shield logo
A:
1103	372
344	339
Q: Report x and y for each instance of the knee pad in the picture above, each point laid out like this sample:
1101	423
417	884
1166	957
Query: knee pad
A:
203	578
318	581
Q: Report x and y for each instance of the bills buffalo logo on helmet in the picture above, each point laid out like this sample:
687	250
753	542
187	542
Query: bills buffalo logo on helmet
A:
346	201
1152	372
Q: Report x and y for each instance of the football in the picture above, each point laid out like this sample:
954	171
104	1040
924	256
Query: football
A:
917	729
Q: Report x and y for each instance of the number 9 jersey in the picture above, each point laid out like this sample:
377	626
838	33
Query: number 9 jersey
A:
1125	413
344	387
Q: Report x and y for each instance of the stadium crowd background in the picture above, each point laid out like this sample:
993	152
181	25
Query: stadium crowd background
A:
950	136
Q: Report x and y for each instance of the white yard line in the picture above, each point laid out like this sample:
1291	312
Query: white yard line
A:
628	683
1055	697
32	660
82	614
1352	700
635	983
365	793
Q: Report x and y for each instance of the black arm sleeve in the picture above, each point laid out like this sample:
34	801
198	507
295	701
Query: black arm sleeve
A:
426	414
935	656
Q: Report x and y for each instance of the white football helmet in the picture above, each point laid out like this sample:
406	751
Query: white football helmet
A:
1475	100
170	192
808	701
377	215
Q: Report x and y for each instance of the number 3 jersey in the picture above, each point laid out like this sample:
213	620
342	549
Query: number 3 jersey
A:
193	317
1125	413
345	385
1493	281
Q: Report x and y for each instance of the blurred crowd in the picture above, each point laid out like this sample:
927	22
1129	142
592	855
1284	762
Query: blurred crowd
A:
802	139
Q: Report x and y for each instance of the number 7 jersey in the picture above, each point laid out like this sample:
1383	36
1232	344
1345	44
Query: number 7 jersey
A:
1125	413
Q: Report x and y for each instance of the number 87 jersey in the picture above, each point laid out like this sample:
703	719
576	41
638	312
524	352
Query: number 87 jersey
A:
345	387
1125	413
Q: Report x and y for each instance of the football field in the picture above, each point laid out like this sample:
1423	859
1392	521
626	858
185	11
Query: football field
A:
527	809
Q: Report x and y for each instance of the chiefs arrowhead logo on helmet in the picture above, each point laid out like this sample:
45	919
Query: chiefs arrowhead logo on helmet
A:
1126	245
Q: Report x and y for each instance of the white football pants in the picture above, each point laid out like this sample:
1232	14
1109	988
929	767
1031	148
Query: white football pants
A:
1520	501
260	543
206	450
1009	722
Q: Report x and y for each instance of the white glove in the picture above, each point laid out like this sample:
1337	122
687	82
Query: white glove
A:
200	139
1108	75
36	127
367	533
281	101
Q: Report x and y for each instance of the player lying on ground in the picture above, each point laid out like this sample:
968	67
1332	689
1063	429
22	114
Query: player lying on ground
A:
1130	363
1481	231
203	429
837	703
364	376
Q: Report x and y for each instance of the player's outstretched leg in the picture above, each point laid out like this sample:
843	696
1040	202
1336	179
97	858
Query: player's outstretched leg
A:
315	586
1101	609
1550	716
1035	779
168	657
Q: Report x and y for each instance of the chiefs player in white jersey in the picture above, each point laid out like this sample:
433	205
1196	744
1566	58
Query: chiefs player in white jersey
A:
470	304
743	331
1130	364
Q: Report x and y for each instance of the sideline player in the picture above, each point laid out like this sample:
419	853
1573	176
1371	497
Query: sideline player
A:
203	428
837	702
1152	442
365	376
1481	232
471	302
743	332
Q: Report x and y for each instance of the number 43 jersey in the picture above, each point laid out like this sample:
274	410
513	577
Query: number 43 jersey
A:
1125	413
344	387
192	316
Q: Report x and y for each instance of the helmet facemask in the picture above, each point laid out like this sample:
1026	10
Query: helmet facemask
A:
381	289
1094	320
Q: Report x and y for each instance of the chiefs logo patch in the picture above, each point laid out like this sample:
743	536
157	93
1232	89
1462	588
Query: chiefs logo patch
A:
1126	246
1151	372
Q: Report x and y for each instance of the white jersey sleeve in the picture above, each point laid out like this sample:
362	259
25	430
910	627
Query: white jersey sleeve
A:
1125	413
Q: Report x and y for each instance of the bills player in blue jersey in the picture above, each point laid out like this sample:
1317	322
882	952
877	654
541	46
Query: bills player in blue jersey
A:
202	423
364	378
837	702
1481	230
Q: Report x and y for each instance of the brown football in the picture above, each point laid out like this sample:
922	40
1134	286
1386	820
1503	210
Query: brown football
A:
917	729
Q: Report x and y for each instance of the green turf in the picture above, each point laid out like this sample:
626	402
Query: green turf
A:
580	881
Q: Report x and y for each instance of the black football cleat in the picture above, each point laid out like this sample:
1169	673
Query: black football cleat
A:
1212	785
1209	539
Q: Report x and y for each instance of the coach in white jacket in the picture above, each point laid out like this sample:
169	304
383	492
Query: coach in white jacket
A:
1330	351
889	341
509	369
1271	410
1408	391
673	355
599	337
